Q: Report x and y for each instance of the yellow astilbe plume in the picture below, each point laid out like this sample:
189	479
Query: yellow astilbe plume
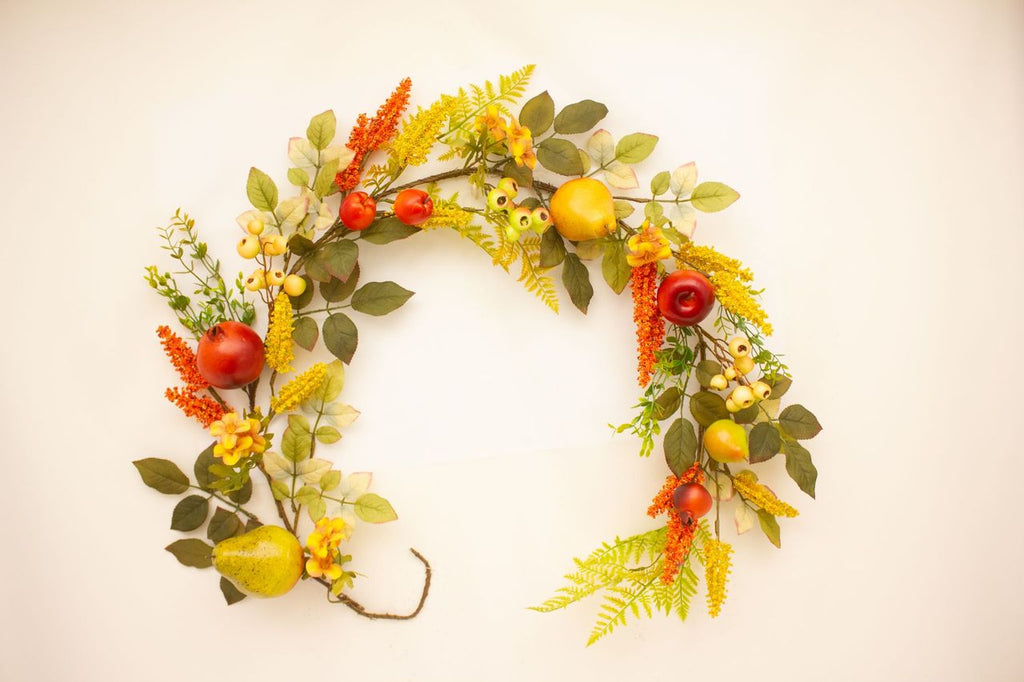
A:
448	214
730	280
706	259
745	483
280	347
420	132
717	562
299	389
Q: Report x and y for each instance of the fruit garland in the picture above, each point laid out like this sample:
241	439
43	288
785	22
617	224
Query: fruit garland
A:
701	340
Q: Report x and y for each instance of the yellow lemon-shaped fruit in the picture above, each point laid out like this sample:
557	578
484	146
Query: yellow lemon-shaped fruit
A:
726	441
583	209
265	562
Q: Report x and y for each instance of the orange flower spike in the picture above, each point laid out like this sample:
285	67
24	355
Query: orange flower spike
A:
371	133
204	409
183	359
677	547
650	328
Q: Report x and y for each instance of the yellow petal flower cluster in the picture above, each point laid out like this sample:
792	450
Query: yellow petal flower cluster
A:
448	214
648	245
323	544
299	389
730	279
280	348
717	562
493	122
237	437
418	135
745	483
518	138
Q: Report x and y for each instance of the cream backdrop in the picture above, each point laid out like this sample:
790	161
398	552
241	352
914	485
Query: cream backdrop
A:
878	148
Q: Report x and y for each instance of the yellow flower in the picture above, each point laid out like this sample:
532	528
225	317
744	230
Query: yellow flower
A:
493	122
717	561
447	214
280	348
648	245
299	389
745	483
238	438
323	544
730	279
520	144
420	131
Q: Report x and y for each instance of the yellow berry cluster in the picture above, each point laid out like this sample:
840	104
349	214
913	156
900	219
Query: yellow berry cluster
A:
252	245
745	393
520	218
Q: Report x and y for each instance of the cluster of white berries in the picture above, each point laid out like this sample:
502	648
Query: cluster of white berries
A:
271	245
745	393
520	218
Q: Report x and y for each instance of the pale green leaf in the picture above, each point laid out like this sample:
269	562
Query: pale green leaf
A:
321	129
635	147
373	508
261	190
620	175
710	197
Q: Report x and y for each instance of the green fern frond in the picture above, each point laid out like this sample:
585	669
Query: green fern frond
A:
468	106
532	275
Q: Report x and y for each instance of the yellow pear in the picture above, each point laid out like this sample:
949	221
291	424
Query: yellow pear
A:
726	441
265	562
583	209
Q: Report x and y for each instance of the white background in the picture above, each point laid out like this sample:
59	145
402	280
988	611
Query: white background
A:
878	148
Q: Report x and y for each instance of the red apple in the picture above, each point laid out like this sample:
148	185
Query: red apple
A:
357	211
413	206
685	297
692	501
230	355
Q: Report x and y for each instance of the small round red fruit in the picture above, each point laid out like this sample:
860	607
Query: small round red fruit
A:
692	501
357	211
413	206
685	297
230	355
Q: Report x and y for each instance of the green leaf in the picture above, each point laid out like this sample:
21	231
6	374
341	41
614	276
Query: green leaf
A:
707	408
373	508
747	415
280	490
232	595
201	468
336	290
328	434
380	298
261	190
295	444
800	467
387	230
798	422
300	245
713	196
223	525
298	177
190	513
521	174
330	480
579	117
660	183
667	404
764	441
299	423
576	279
780	384
331	386
654	211
320	132
303	299
324	183
192	552
552	249
706	369
341	336
680	446
305	333
770	527
538	113
560	156
162	475
338	258
614	267
306	494
623	209
635	147
243	494
316	509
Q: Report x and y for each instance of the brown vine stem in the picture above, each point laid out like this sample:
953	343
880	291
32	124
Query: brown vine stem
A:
280	505
361	610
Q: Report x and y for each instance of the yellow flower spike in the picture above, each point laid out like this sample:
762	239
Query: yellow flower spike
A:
299	389
649	245
717	562
745	483
279	345
418	135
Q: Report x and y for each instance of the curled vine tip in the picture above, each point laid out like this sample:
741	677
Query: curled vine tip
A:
361	610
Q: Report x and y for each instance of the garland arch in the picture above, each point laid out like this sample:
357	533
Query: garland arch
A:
550	192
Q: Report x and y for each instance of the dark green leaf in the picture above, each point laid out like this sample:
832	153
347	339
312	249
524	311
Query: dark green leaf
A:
232	595
162	475
747	415
765	442
680	446
387	230
667	403
635	147
579	117
770	527
521	174
243	494
380	298
338	258
201	468
707	408
223	525
712	196
576	279
252	524
538	113
303	299
341	336
192	552
320	132
299	245
306	332
705	370
614	267
780	384
560	156
261	190
190	513
798	422
800	467
552	248
337	290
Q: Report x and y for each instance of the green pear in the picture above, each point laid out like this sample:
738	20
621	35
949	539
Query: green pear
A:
265	562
